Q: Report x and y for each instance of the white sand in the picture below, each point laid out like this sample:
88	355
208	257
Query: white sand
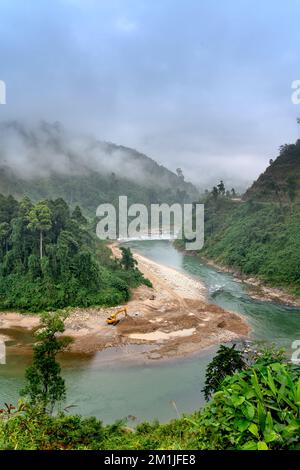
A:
161	335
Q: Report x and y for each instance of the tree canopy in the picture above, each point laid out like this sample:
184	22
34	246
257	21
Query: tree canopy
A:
49	258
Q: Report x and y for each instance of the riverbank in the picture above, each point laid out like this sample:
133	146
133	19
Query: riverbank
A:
174	319
257	289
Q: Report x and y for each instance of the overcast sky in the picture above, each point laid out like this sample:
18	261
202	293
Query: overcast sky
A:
201	84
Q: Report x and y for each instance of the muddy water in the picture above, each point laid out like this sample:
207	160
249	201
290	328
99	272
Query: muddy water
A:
107	385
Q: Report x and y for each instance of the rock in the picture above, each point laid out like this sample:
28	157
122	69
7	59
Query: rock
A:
154	356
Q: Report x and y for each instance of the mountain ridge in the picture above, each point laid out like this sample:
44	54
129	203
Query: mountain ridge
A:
281	179
48	162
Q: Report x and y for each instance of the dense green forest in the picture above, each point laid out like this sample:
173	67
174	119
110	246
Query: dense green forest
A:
49	258
259	234
92	189
260	239
82	170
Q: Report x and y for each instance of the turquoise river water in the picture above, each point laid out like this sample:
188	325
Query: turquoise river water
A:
115	389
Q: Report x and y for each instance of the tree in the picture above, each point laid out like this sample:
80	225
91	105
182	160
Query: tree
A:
60	215
8	208
45	386
40	220
283	148
221	188
114	180
215	192
25	207
226	362
127	262
233	193
180	174
4	235
77	215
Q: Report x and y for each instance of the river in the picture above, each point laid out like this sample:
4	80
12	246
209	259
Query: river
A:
114	390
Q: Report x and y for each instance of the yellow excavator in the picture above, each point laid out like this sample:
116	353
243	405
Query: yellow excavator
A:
113	319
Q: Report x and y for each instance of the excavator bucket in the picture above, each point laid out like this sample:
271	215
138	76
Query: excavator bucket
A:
113	319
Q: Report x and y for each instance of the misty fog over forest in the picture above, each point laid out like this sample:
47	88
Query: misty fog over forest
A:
212	97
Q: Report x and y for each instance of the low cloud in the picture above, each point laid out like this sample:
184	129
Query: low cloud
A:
49	149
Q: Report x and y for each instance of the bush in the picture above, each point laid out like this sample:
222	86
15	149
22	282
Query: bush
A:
38	431
255	409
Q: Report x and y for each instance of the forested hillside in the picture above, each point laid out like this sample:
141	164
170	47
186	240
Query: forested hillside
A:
46	162
260	234
280	182
50	259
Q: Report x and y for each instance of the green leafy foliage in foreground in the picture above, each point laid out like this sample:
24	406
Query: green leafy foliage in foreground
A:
49	259
257	408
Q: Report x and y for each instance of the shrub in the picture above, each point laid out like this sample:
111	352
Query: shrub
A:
255	409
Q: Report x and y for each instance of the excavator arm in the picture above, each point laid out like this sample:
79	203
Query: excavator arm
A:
113	319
